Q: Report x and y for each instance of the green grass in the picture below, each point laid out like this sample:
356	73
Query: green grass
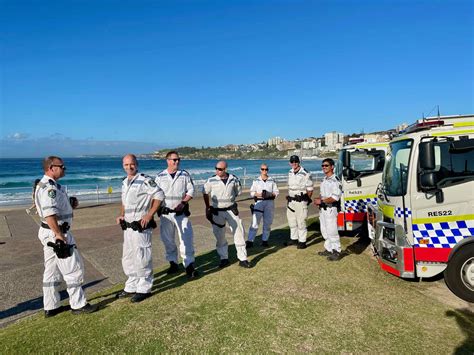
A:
291	301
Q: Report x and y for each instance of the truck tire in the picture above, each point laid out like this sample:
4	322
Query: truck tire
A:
459	274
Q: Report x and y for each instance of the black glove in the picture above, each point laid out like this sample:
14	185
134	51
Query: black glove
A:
61	249
74	202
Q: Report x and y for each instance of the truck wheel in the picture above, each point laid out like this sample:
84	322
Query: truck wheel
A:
459	275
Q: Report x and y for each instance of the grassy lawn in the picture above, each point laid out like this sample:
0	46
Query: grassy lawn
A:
291	301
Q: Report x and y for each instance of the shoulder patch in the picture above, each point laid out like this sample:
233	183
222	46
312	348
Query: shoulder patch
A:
52	193
152	183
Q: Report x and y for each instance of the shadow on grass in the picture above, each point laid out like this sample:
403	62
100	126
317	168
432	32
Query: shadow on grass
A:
465	320
37	303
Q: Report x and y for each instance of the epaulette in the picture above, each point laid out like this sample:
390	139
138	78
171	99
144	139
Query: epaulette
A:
337	178
162	174
51	182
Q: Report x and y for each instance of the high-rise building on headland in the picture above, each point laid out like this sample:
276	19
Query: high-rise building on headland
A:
334	140
274	141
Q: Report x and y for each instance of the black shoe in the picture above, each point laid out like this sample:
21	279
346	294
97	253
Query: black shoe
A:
124	294
224	263
174	268
265	243
324	253
138	297
301	245
245	264
292	242
88	308
191	272
335	256
53	312
248	244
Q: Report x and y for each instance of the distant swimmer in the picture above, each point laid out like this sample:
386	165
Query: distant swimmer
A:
219	193
141	198
300	189
329	204
264	190
61	257
178	188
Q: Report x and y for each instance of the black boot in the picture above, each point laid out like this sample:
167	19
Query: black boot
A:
335	256
324	253
88	308
248	244
292	242
264	243
224	263
191	272
174	268
245	264
301	245
138	297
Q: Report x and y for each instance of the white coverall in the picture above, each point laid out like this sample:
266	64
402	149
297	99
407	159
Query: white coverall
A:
330	187
222	196
175	190
262	208
51	199
298	183
137	196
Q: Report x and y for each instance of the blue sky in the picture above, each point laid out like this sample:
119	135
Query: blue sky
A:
173	73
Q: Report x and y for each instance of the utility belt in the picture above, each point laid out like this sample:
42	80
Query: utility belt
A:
215	211
62	227
325	206
162	210
302	197
136	225
265	196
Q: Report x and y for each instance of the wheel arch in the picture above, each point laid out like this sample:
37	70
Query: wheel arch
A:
458	246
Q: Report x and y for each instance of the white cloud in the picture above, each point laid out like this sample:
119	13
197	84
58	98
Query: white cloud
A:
18	136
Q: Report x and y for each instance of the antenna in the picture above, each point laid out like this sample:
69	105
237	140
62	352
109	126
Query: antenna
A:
438	111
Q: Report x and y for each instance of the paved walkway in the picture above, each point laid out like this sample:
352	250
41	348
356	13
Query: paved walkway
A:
100	243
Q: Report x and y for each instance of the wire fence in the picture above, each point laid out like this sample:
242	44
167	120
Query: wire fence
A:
91	194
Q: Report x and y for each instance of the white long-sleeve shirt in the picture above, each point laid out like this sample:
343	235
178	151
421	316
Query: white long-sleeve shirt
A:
269	185
137	196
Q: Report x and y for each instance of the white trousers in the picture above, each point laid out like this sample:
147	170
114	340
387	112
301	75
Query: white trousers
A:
236	227
268	208
328	223
71	270
297	220
137	260
170	223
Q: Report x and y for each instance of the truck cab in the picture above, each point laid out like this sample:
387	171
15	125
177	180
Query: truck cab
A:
423	223
359	168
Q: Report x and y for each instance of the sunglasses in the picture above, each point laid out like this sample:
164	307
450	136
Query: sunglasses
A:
175	160
263	169
220	169
325	165
58	166
293	162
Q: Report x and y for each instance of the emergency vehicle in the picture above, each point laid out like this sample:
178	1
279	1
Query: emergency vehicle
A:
359	168
424	223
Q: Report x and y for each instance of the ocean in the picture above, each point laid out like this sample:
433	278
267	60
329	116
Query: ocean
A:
98	180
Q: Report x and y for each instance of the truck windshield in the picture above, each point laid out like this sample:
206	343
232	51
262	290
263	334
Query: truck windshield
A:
363	162
395	176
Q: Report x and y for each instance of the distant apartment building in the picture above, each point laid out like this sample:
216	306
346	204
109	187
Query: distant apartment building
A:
309	144
274	141
334	140
284	145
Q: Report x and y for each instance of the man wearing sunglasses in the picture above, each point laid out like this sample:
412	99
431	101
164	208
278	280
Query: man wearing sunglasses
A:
174	212
331	191
141	198
55	210
300	189
263	190
219	193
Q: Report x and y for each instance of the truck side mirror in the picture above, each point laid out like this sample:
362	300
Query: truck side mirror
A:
346	159
428	181
427	156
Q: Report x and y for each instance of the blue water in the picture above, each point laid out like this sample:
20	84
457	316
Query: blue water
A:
89	176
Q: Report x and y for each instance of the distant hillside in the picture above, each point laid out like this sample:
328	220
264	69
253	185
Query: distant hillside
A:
223	153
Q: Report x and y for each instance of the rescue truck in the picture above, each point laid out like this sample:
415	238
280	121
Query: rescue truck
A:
359	168
424	222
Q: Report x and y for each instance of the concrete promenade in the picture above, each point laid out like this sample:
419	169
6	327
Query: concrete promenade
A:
99	240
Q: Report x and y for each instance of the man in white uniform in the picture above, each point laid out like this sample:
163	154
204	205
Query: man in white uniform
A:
55	210
263	190
328	208
219	193
141	198
300	189
178	188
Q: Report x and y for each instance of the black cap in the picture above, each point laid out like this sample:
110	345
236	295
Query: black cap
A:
294	159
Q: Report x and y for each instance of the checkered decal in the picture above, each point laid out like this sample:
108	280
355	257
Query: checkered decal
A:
442	234
359	205
399	212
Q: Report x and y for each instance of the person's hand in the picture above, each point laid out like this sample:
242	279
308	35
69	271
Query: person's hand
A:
317	201
145	220
74	202
61	237
180	207
258	194
118	219
208	213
